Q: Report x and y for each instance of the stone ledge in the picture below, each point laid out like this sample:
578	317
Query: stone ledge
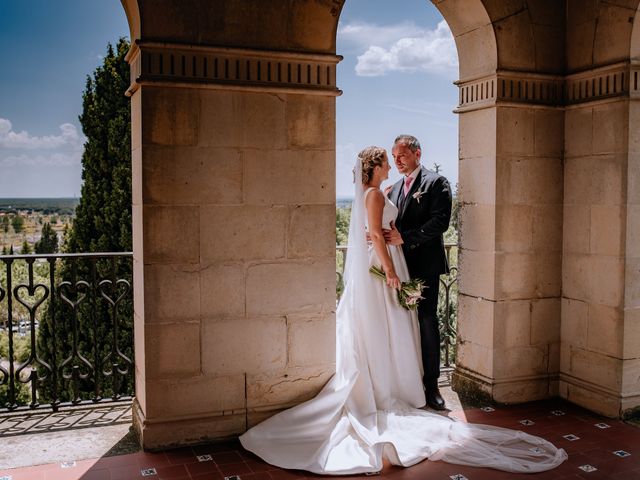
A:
157	435
511	390
189	65
618	80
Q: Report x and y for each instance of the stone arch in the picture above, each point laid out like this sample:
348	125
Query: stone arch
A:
250	102
634	47
133	18
474	36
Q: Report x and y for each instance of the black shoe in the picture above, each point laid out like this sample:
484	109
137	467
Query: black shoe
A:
435	400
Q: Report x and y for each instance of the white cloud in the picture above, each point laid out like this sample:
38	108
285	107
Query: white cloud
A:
437	113
402	48
20	149
359	36
22	140
346	155
51	160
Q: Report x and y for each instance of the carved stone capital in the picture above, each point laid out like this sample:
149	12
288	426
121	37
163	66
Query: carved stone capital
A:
217	67
509	87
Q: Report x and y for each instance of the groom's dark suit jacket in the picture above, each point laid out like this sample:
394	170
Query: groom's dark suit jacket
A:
422	221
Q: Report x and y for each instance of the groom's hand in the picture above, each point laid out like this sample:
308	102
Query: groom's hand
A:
392	236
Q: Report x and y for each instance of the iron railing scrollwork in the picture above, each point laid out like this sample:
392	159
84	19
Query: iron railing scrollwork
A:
447	302
66	329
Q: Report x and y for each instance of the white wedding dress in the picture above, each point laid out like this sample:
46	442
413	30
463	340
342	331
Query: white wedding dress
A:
369	410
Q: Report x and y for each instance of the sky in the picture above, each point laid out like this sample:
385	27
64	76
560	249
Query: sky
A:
396	77
400	62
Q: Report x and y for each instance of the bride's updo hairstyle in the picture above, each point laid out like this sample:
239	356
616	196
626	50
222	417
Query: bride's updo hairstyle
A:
370	158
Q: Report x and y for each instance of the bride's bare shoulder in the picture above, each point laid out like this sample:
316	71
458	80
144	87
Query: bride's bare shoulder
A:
373	197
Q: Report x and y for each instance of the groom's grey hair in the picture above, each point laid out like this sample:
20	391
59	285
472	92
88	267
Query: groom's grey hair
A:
408	140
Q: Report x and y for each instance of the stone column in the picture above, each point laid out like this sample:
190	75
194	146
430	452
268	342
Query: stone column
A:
600	362
234	236
511	140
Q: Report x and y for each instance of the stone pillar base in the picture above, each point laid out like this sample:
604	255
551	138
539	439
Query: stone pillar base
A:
179	432
598	399
480	389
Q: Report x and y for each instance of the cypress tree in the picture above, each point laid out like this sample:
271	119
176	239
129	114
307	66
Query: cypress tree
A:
102	224
48	242
26	248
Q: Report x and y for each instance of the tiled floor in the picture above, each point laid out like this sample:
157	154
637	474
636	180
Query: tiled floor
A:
610	447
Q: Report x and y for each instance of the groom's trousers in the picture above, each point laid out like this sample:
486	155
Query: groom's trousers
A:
430	332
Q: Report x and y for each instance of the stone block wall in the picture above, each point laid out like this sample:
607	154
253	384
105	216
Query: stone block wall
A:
234	207
511	250
594	254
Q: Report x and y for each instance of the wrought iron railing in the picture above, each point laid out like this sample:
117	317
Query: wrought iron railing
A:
447	302
66	329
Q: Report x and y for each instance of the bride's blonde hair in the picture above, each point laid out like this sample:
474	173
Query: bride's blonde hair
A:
370	158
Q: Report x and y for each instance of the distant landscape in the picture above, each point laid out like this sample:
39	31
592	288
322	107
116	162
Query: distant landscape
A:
344	202
60	206
22	219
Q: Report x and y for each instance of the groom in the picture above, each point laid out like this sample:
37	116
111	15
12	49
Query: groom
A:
423	199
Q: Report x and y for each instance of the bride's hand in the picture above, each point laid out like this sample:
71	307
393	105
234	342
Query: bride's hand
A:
393	280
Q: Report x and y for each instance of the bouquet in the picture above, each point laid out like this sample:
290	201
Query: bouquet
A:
409	294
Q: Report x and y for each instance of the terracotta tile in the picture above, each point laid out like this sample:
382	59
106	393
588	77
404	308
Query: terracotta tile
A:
101	474
617	465
228	457
229	469
156	459
205	476
171	472
125	472
72	473
259	466
19	474
217	447
257	476
288	474
181	456
116	461
203	467
597	475
626	475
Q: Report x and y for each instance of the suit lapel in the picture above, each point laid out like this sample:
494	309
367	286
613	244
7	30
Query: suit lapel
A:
397	193
414	187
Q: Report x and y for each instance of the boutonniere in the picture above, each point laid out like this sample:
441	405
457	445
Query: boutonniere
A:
417	195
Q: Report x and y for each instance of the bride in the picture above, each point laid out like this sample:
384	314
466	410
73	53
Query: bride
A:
370	409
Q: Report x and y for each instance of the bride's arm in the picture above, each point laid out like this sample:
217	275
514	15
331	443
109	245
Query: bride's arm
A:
375	205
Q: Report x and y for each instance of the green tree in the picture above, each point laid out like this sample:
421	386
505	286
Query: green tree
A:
17	222
102	224
5	224
48	242
26	248
343	215
20	354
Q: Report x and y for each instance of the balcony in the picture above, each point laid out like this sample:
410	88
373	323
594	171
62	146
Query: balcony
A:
67	412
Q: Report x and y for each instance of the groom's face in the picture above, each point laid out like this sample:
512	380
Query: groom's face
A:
406	160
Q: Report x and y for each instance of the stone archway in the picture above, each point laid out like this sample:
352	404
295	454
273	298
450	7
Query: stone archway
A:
233	108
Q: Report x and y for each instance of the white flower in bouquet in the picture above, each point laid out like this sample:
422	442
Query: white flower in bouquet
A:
409	293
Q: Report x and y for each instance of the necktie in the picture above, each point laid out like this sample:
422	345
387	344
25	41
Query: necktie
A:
407	185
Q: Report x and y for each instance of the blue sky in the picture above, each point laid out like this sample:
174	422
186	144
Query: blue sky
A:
397	77
397	73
